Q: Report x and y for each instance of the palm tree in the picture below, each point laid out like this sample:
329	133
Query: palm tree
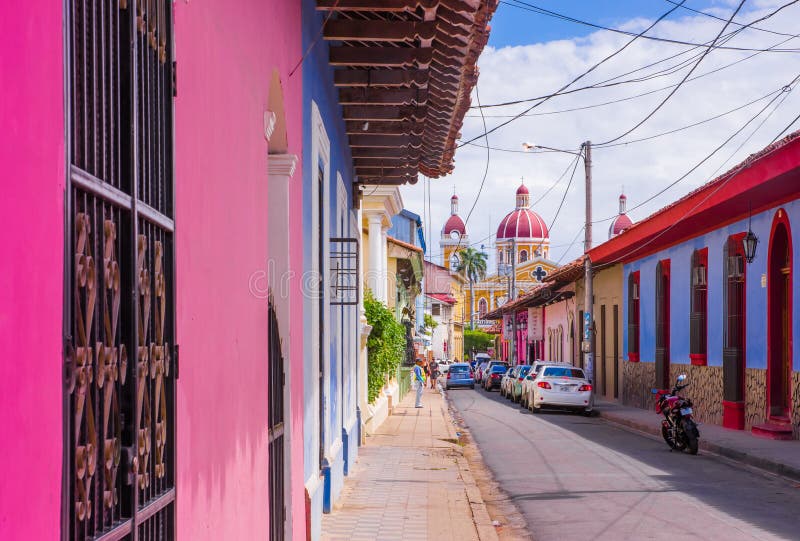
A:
472	264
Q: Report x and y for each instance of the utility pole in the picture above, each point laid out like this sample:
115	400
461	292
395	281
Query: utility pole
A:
513	296
588	317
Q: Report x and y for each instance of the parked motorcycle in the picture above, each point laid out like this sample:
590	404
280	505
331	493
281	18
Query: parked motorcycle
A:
678	427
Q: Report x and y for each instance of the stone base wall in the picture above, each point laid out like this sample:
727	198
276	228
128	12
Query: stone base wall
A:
755	392
706	391
637	381
796	404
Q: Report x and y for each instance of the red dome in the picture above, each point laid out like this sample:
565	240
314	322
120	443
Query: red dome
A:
618	225
454	223
454	198
523	190
522	223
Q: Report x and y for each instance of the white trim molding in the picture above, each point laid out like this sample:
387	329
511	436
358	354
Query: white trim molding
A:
282	165
270	120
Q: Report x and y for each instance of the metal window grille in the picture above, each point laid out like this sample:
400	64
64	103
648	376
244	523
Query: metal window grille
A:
633	314
344	271
698	343
662	325
276	429
733	350
120	358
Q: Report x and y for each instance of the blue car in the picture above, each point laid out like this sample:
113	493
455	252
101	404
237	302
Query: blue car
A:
460	375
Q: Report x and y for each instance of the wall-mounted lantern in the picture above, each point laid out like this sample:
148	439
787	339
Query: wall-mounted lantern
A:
750	243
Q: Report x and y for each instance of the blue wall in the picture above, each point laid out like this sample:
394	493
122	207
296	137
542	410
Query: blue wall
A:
339	394
680	256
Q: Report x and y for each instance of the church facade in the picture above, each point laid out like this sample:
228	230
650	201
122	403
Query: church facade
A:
522	250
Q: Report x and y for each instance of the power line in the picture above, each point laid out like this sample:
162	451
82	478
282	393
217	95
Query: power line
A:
571	244
576	79
526	6
786	129
760	124
654	136
611	102
731	176
694	124
712	16
674	90
787	88
607	83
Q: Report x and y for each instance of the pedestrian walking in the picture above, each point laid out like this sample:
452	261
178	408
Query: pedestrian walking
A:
434	370
419	381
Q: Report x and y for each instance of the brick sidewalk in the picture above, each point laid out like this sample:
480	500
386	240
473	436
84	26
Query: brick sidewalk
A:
411	483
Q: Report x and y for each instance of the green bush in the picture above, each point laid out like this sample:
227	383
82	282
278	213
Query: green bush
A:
386	344
479	340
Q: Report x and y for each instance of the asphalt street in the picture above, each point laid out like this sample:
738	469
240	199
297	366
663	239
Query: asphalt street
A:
579	478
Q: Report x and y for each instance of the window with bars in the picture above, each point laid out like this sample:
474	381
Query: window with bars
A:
633	316
121	358
662	282
734	329
698	317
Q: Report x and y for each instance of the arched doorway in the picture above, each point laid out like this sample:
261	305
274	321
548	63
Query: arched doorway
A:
779	318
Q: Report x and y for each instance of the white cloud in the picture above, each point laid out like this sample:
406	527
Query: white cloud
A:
644	168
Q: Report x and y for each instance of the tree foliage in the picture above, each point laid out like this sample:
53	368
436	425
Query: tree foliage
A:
430	323
472	264
385	346
477	339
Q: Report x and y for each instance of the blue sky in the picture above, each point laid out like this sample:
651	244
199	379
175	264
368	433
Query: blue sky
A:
514	26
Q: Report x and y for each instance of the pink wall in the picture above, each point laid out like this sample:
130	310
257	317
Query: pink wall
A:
226	53
31	268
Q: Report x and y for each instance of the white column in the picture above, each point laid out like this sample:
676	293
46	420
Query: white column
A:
280	170
374	273
385	267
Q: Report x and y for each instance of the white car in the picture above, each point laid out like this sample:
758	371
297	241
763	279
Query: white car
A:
563	387
444	366
527	383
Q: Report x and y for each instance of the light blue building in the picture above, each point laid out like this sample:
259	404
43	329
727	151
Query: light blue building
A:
331	232
710	291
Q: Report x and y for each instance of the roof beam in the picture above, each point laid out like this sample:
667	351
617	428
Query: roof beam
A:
382	96
380	57
383	112
355	127
384	31
363	152
382	6
386	141
381	77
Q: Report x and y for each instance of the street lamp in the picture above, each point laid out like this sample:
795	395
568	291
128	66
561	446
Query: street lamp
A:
588	323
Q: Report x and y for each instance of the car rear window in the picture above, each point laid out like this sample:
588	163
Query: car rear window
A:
562	372
524	370
500	369
459	369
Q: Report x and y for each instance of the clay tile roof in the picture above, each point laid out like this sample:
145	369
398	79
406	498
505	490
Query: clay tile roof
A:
443	297
404	244
567	273
405	72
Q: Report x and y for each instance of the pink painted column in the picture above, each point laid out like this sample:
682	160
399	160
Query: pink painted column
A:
32	152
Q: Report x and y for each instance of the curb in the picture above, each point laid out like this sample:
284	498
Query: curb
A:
742	457
480	515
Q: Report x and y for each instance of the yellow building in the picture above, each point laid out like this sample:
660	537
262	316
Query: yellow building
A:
522	242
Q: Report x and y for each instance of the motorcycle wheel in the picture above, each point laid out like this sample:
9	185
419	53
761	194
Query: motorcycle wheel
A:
692	441
667	438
